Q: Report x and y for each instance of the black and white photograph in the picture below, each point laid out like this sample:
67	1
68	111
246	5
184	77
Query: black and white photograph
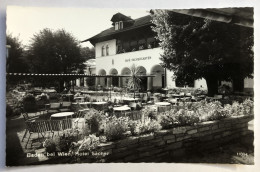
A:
95	85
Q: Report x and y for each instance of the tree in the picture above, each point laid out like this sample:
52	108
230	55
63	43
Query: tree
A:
87	53
134	80
200	48
15	62
55	52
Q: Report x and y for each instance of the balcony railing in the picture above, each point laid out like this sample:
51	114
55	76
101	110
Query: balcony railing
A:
139	48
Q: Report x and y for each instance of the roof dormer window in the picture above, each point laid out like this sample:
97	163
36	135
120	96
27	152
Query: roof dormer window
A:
120	25
116	25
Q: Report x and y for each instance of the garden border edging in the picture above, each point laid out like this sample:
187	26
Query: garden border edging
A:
176	142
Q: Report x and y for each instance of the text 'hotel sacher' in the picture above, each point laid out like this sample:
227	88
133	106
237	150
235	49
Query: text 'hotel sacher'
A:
132	41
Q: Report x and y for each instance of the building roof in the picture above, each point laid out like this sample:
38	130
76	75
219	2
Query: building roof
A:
139	22
120	17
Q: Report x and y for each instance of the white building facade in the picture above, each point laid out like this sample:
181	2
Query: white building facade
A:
131	42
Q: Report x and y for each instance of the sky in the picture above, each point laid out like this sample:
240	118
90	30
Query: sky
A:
82	23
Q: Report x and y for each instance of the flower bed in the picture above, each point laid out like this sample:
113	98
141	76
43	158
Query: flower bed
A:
194	127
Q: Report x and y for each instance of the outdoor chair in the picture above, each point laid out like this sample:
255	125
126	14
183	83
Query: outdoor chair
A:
163	108
61	125
39	127
134	115
144	100
29	118
65	107
41	106
133	105
54	108
188	95
80	114
182	94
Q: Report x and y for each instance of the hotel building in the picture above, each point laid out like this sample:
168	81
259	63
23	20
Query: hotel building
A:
132	41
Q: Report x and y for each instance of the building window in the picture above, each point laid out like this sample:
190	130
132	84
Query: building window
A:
103	51
107	50
116	26
120	25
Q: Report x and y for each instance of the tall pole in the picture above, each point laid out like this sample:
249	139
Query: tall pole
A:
7	56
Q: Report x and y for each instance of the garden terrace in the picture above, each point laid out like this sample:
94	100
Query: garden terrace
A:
168	145
151	136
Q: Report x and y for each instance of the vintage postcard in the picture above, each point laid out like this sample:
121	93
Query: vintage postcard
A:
129	85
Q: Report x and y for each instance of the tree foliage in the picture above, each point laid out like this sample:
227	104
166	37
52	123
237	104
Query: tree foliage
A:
54	52
201	48
15	62
87	53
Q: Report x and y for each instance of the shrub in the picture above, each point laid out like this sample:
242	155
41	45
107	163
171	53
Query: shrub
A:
116	127
87	98
248	107
133	126
89	143
85	130
9	111
167	119
90	82
96	120
49	145
29	103
63	143
17	111
224	89
187	117
149	126
54	96
149	113
102	139
217	114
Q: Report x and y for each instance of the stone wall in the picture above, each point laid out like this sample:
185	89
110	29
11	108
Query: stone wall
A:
176	142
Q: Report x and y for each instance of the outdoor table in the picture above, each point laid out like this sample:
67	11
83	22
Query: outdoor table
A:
129	99
176	95
85	104
121	109
173	101
62	114
80	99
80	105
166	90
99	103
163	104
83	110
